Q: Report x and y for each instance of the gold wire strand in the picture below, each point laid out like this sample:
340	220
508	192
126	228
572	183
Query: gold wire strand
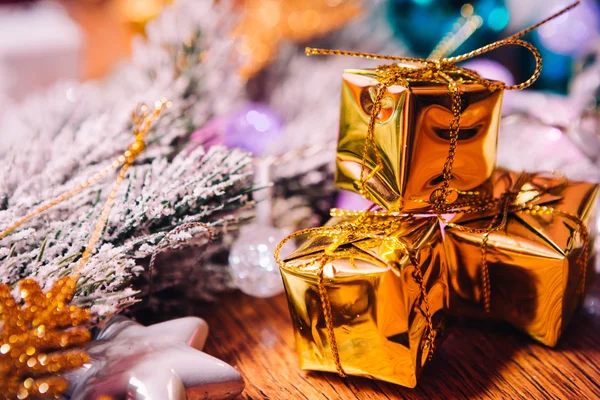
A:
485	274
104	214
130	155
420	279
311	51
326	306
370	142
88	182
142	124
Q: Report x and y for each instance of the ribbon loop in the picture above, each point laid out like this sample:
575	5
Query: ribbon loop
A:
447	63
505	42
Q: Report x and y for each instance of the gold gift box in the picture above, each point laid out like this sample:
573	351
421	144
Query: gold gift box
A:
376	303
535	278
412	136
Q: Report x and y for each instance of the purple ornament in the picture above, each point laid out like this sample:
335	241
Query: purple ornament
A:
352	201
211	134
570	33
254	128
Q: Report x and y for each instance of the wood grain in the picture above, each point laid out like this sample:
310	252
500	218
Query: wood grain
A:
480	360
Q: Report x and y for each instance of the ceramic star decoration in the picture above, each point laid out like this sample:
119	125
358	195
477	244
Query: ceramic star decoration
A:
159	362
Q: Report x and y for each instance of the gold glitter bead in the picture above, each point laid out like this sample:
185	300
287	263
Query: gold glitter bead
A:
43	388
33	337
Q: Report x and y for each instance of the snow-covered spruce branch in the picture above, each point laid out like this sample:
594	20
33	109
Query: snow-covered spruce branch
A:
154	199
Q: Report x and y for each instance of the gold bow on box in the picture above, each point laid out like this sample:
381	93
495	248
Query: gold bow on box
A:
401	126
368	294
535	257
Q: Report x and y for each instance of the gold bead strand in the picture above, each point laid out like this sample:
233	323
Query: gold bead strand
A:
141	128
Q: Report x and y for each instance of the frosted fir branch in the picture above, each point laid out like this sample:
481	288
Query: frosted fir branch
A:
136	226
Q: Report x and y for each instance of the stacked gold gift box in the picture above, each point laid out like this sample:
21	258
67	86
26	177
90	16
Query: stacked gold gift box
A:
452	234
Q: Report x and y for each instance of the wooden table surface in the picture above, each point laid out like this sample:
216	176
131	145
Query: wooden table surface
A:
477	360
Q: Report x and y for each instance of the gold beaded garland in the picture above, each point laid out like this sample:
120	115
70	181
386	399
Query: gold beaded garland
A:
39	339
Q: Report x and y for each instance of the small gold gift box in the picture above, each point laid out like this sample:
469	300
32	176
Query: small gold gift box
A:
359	305
536	266
412	138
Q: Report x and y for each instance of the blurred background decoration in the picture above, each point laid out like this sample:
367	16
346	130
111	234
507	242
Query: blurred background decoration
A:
264	24
105	29
421	23
261	94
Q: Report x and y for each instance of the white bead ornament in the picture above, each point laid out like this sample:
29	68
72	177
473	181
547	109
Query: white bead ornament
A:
253	267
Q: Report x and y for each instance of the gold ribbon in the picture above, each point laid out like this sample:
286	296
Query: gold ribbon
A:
523	196
438	71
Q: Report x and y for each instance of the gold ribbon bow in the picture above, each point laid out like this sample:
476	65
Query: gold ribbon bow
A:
439	71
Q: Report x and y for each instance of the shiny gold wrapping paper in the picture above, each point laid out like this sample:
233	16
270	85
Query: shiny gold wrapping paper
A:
533	267
376	304
412	137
